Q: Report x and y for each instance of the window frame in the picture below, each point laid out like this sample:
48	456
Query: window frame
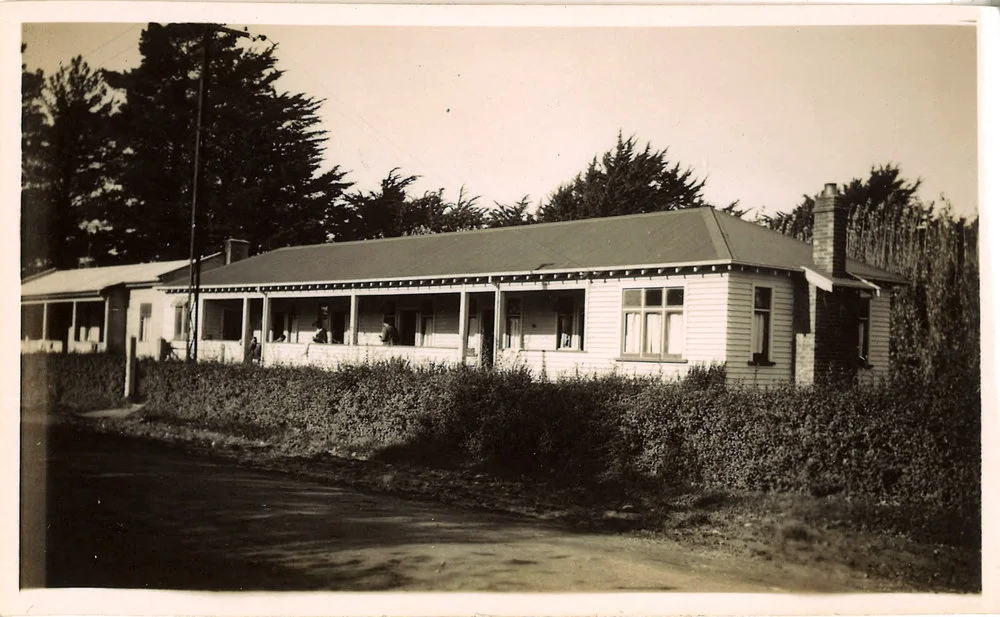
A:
181	321
767	356
510	341
145	320
864	330
664	310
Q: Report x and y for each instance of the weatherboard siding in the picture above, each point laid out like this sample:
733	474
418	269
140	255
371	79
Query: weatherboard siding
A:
705	334
739	323
878	338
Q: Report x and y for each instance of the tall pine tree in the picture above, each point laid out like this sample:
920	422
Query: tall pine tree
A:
261	148
625	180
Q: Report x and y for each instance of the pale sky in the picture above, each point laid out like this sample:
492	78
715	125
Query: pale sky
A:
764	113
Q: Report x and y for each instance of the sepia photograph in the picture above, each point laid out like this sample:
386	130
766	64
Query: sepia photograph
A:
597	300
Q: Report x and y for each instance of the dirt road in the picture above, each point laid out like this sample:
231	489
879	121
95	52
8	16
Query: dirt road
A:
127	513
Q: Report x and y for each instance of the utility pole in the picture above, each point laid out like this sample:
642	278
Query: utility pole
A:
194	265
194	262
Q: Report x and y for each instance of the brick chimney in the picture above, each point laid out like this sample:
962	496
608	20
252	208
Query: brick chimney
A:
829	244
236	250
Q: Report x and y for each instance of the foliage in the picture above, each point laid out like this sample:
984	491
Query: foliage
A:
391	212
900	442
510	215
261	148
66	188
72	382
625	180
935	319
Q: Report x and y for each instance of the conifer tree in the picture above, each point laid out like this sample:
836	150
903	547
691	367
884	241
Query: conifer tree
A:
625	180
261	148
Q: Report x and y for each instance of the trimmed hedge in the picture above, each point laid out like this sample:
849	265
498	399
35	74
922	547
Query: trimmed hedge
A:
903	442
72	382
896	442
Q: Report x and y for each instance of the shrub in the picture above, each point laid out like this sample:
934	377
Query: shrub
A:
898	442
72	382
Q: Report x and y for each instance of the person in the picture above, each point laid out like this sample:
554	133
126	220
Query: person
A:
281	338
320	336
389	336
253	351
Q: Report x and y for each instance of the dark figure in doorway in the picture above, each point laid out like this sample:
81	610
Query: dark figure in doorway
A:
320	336
390	335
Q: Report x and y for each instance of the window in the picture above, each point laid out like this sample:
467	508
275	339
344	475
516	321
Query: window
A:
180	322
760	332
569	333
864	323
512	330
653	323
145	315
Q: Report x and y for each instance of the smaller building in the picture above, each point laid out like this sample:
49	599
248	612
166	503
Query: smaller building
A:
88	310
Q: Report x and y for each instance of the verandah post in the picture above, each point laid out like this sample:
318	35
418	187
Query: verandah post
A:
130	369
498	322
463	323
352	335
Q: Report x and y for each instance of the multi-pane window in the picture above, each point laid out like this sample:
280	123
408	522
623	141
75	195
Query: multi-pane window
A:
180	322
864	321
512	329
653	323
145	316
760	342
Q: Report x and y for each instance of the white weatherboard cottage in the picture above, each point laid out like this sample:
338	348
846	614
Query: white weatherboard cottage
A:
89	310
643	294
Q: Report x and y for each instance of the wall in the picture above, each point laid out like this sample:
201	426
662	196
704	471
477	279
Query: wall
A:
739	323
156	332
878	340
705	331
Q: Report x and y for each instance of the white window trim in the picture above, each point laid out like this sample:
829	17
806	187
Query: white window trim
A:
663	357
770	329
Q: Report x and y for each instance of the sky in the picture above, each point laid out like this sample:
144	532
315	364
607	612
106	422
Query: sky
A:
763	114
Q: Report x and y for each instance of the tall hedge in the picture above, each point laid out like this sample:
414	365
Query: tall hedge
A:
896	442
72	382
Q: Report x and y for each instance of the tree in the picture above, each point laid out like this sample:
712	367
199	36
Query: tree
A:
936	316
625	181
261	149
65	183
391	212
510	215
36	251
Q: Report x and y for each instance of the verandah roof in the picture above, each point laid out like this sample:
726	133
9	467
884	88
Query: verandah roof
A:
691	236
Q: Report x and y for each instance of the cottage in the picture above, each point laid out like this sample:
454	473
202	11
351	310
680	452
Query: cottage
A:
88	310
642	294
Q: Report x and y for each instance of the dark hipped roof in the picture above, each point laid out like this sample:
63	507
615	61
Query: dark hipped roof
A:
691	236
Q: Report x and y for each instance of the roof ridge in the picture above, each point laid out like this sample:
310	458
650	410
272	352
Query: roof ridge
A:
507	228
722	232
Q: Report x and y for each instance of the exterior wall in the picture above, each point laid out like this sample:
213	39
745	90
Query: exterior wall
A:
705	332
878	339
739	326
157	332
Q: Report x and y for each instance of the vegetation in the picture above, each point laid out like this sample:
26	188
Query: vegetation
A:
935	319
892	443
72	382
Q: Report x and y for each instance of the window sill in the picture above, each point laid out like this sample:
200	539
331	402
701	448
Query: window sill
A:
654	360
761	363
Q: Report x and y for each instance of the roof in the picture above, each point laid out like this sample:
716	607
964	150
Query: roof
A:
90	281
690	236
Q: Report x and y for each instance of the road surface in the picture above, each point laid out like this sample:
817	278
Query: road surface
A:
134	514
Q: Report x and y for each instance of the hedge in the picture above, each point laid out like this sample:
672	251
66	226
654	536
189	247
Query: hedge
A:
72	382
899	442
